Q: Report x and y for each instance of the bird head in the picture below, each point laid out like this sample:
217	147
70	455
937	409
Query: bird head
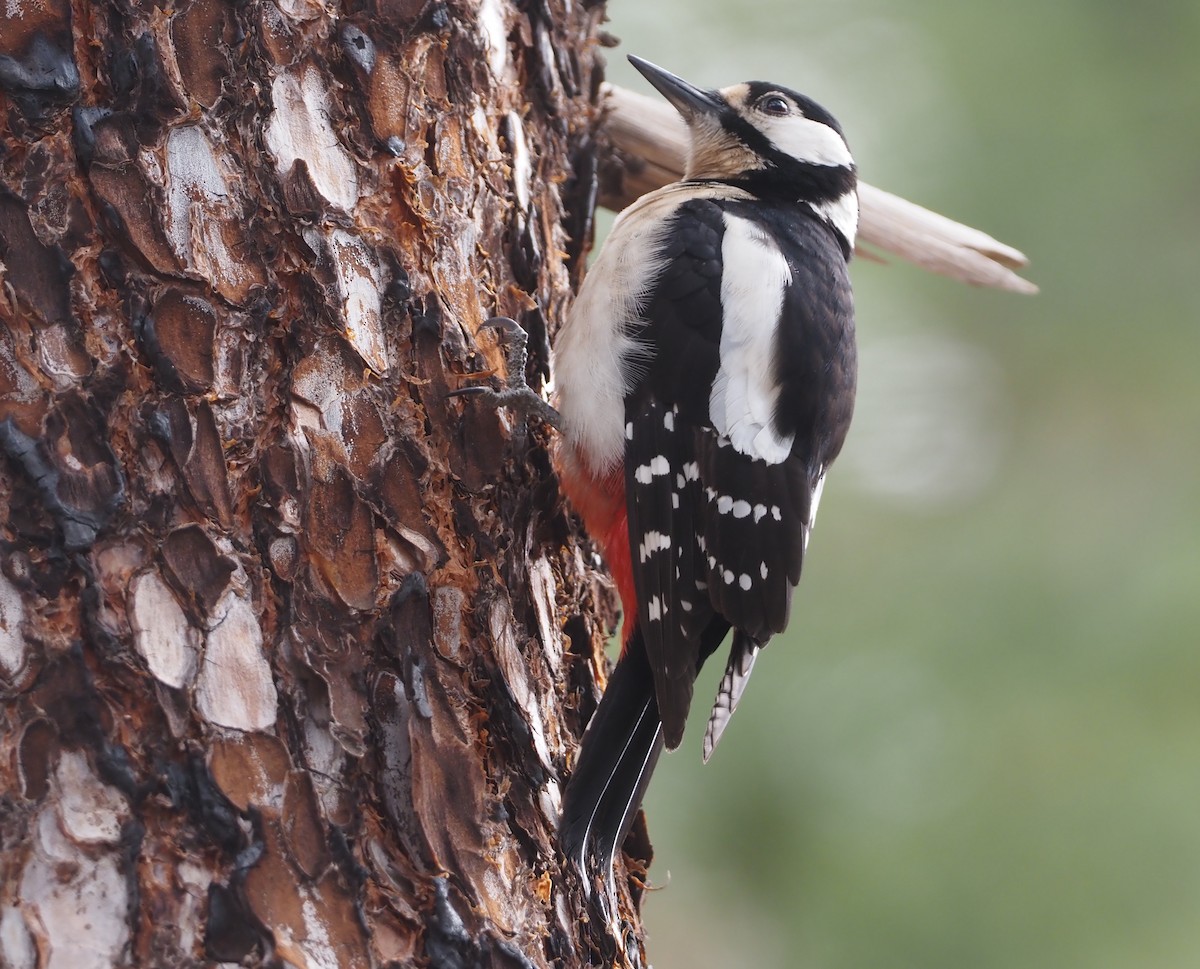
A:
767	139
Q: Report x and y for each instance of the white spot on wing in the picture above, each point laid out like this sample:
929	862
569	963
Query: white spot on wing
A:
741	508
745	582
742	403
653	542
645	473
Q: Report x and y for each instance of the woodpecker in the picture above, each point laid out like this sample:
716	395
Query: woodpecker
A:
705	383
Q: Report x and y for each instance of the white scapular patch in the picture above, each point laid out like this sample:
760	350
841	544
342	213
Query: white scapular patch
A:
742	403
807	141
841	213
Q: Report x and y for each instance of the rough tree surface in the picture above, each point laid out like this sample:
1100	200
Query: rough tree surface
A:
293	649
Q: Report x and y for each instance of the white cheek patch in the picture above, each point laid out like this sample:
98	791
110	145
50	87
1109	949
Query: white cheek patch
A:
808	141
742	403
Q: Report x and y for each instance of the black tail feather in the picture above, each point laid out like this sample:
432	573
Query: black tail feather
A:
619	751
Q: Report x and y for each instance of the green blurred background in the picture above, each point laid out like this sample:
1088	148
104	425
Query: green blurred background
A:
979	743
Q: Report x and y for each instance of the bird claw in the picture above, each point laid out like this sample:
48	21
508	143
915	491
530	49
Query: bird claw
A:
517	394
474	390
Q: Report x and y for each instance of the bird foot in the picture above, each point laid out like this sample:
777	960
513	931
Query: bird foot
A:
517	394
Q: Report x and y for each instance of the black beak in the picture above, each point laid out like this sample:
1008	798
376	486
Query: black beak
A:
687	99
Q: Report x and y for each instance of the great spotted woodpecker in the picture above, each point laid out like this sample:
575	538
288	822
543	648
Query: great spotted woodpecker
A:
705	382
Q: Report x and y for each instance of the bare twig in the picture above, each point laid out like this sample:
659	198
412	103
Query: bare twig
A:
650	143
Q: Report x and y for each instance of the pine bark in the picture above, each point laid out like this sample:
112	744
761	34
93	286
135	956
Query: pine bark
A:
294	649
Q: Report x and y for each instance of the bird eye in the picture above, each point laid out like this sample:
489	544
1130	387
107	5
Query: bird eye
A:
775	104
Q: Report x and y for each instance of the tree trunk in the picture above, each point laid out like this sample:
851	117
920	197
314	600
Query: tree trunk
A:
293	648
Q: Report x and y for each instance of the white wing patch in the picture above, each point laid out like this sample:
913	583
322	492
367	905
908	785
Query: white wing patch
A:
753	279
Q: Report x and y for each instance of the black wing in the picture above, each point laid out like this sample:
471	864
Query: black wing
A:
716	537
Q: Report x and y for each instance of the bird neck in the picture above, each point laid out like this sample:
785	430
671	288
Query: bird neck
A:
837	211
